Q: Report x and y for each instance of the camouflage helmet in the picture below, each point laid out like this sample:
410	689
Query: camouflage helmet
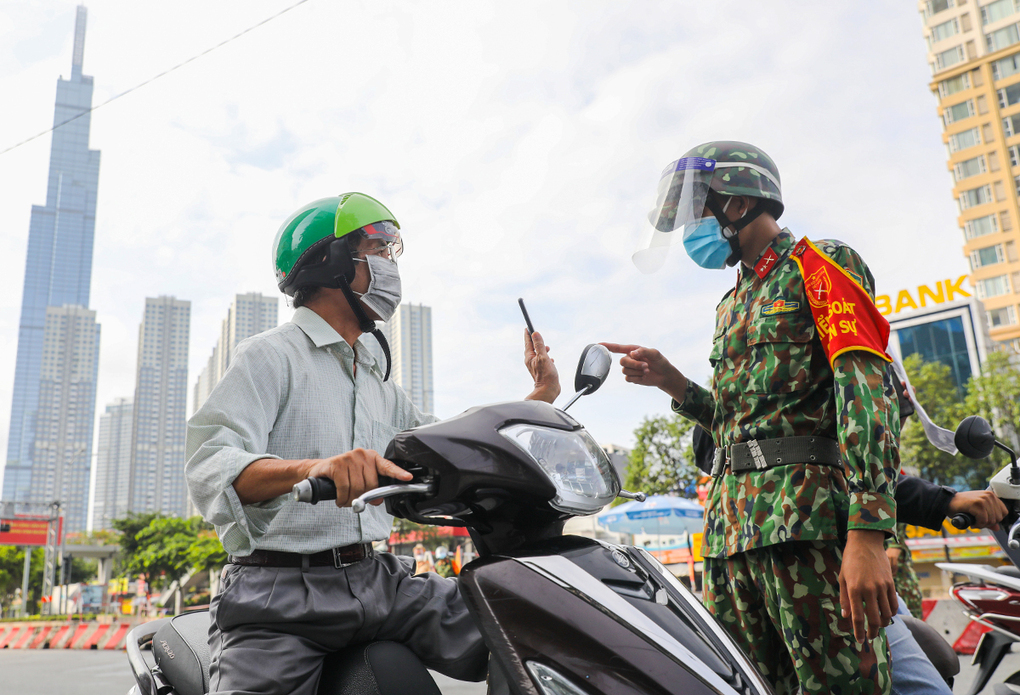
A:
760	180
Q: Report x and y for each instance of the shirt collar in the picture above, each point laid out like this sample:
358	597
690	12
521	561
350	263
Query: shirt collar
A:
324	335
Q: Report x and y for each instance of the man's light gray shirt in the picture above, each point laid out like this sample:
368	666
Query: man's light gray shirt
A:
292	393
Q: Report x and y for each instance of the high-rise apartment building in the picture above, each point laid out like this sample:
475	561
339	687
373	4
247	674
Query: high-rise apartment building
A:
113	464
160	409
248	315
409	334
58	267
974	51
62	441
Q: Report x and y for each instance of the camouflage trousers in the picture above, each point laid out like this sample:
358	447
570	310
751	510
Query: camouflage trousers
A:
781	604
908	588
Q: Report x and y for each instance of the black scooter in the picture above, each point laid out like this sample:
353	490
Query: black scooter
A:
561	615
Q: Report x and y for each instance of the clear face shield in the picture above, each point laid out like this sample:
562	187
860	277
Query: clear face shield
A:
679	202
386	238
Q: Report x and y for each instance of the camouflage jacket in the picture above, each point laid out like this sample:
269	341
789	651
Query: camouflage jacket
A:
771	379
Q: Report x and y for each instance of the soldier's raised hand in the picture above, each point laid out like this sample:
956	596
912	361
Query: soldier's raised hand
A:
648	367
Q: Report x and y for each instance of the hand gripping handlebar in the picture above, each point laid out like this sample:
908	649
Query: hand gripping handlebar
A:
315	490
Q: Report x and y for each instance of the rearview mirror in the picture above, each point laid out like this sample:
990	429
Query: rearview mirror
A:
592	368
974	437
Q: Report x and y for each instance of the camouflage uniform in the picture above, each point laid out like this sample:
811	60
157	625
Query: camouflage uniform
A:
773	538
906	578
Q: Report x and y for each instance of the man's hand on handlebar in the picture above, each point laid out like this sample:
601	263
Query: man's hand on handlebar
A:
986	508
355	473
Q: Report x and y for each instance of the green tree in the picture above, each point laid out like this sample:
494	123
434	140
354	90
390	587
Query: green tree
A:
12	567
163	549
129	527
933	384
995	395
662	460
207	552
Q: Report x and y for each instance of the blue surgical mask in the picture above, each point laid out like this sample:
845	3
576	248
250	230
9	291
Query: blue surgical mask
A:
705	243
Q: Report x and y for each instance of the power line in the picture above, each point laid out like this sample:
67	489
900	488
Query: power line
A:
153	79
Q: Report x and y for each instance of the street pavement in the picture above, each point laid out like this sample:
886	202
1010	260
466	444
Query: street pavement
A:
58	672
85	672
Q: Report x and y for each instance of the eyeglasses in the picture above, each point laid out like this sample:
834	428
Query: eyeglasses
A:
389	249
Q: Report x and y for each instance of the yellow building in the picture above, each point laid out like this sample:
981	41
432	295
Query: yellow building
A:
974	51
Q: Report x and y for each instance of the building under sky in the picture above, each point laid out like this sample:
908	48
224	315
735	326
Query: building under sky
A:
159	420
248	315
974	51
58	267
113	464
409	334
62	442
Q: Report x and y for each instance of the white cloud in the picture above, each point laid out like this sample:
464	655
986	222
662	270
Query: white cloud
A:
519	144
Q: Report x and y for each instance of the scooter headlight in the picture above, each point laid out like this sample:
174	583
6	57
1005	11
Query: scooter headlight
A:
584	478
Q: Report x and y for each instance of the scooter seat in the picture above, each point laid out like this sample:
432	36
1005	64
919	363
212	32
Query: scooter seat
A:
1009	571
938	651
181	650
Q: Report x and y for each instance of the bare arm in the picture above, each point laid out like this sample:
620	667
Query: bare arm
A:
353	473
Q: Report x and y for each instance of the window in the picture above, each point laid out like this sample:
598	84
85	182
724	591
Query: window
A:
941	32
1011	125
957	112
994	11
993	287
1014	155
961	141
1006	316
975	196
955	84
990	255
1007	36
1004	67
970	167
936	6
948	58
1009	95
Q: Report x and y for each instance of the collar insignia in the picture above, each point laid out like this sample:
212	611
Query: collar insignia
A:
765	263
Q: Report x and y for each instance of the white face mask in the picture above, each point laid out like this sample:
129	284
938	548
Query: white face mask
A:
383	295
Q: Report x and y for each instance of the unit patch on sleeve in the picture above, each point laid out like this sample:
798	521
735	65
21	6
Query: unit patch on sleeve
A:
779	306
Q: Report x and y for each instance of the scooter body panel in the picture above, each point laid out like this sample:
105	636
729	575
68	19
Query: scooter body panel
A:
595	615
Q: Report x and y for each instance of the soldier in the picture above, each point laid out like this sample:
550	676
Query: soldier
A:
794	560
904	576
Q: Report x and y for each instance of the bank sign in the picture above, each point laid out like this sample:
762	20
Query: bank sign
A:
945	291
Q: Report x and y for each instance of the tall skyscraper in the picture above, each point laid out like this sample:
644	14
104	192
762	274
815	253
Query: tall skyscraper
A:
58	268
113	464
160	409
409	334
248	315
62	450
974	51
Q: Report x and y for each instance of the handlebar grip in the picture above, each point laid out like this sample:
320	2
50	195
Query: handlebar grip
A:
314	490
963	520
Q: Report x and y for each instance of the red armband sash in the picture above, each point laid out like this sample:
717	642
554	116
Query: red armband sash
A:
846	316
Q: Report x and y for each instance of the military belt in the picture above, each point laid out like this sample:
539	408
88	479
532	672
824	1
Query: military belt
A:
762	454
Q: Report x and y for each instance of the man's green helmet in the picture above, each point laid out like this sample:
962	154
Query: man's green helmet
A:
304	253
760	179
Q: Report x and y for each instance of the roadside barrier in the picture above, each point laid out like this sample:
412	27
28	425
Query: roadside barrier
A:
106	632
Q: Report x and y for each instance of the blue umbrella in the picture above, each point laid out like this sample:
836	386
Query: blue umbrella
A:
659	514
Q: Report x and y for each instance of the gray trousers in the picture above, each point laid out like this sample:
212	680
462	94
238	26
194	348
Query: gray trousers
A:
273	626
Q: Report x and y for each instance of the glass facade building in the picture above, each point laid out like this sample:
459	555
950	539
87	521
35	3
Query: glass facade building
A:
159	419
953	333
58	267
113	464
409	334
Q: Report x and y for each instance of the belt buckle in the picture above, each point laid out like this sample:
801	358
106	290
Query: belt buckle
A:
340	564
719	462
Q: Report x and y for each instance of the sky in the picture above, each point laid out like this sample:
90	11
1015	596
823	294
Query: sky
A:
518	144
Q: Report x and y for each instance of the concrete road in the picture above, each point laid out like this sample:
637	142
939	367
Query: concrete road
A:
81	672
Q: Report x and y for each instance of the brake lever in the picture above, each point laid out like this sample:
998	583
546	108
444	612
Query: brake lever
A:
1011	539
360	503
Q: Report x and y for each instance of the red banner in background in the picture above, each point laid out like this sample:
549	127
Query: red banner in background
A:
26	530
